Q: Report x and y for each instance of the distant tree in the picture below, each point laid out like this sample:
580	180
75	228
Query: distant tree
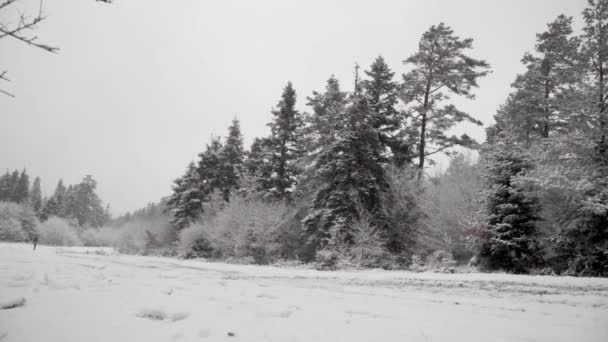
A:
440	68
36	197
6	188
21	188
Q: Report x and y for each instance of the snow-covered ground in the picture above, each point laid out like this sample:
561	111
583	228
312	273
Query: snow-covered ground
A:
76	294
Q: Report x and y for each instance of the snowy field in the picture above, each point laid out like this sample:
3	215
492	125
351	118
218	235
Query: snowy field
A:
76	294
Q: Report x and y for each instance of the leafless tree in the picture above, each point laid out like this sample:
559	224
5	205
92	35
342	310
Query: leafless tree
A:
22	28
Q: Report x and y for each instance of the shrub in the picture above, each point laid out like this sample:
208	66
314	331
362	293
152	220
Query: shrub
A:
244	228
57	232
17	222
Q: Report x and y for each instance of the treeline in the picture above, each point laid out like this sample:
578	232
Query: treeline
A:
23	207
345	183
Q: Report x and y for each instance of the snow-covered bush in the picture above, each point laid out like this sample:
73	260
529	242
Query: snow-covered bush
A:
245	227
100	237
17	222
58	232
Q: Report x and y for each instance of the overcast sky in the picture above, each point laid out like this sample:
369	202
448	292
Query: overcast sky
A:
139	86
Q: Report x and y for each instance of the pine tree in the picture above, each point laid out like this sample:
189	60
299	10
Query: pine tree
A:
5	187
257	167
537	107
185	203
351	177
232	157
21	188
86	207
440	69
210	167
382	94
584	240
284	146
323	123
36	197
510	238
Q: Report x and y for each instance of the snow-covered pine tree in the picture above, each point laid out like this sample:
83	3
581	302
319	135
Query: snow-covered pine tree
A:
5	187
285	146
583	241
21	190
509	240
185	204
441	68
86	206
382	94
537	107
322	124
36	197
350	177
257	166
209	169
232	156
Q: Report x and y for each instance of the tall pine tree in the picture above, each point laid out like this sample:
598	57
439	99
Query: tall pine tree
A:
441	68
36	197
285	146
232	156
351	179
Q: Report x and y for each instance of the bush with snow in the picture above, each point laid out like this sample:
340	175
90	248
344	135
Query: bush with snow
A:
58	232
245	228
17	222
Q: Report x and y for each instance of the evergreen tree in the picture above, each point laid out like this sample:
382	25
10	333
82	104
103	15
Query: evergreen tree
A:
86	207
210	167
232	156
382	94
440	68
284	146
351	178
5	187
257	166
185	203
595	61
21	188
538	105
323	123
583	241
36	197
510	238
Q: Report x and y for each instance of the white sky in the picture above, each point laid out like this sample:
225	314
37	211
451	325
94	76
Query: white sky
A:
139	86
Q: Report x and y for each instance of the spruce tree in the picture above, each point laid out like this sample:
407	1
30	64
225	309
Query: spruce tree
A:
257	166
185	204
209	169
36	197
441	68
285	146
382	94
5	187
351	179
510	238
21	188
322	124
232	157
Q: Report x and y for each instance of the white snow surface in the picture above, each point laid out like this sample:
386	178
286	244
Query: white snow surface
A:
91	294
